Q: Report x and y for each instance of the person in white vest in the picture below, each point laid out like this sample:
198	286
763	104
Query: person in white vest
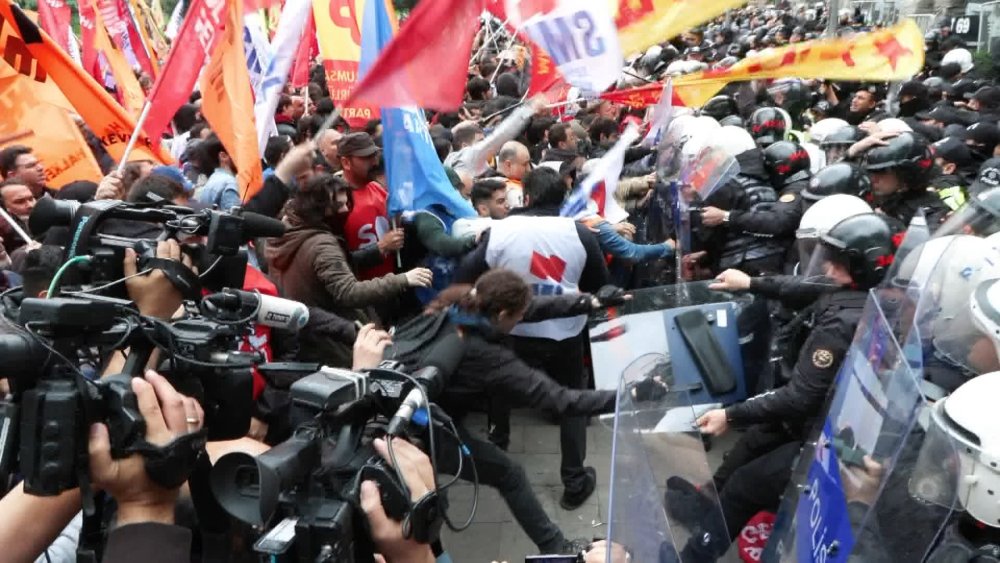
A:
555	256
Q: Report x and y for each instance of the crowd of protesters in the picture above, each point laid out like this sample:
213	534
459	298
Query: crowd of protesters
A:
518	281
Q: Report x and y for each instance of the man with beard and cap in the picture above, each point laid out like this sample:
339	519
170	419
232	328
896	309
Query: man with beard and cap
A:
865	105
955	162
913	97
982	139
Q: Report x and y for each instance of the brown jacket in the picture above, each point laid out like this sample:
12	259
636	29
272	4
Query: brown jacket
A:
310	265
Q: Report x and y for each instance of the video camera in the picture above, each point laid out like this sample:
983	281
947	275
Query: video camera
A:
55	402
306	491
102	230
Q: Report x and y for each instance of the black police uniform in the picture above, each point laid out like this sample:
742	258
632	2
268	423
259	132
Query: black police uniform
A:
756	471
736	248
901	206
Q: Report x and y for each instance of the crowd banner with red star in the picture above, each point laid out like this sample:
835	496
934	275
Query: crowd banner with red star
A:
642	23
895	53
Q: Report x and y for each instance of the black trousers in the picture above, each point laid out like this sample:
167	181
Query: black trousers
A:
562	360
758	440
495	469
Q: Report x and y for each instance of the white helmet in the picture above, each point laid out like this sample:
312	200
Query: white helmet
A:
961	57
894	125
823	216
733	140
960	456
817	156
985	306
701	139
680	130
822	128
964	264
685	67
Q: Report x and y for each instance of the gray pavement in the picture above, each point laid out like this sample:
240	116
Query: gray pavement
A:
494	535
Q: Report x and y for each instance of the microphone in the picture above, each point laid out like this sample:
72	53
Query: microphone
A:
272	311
256	225
442	362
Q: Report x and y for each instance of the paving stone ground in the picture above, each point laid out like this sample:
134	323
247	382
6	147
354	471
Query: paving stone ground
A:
494	535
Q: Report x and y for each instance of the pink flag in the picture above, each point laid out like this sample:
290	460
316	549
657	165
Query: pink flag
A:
54	17
425	65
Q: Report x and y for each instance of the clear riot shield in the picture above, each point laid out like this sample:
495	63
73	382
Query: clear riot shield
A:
656	447
852	493
707	171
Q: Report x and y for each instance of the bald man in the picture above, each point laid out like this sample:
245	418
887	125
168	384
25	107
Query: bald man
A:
514	162
327	147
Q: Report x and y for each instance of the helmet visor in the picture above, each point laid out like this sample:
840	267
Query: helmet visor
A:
946	461
970	219
826	265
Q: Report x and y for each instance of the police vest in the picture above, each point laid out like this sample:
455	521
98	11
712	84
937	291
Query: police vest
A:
548	254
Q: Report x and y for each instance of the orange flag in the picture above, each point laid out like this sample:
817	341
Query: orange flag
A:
642	23
894	53
26	103
227	103
38	56
132	97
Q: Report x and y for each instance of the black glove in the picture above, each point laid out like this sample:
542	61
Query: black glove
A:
610	296
648	389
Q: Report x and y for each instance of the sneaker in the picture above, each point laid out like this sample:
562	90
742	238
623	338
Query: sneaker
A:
571	500
685	503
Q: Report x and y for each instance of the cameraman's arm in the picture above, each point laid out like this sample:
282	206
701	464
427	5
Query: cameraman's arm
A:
32	523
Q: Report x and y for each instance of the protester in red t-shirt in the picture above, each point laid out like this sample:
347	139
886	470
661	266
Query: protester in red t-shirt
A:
368	222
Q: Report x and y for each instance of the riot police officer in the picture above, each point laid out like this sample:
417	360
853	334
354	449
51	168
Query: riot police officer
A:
901	169
769	125
773	225
849	260
840	178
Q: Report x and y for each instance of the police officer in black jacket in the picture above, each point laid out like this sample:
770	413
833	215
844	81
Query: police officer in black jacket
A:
773	224
901	169
850	259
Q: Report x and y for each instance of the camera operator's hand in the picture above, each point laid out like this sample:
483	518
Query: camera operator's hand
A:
168	415
111	187
153	293
419	277
369	347
387	534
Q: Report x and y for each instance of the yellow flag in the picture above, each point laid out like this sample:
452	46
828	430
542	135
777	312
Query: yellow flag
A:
338	30
132	97
227	103
642	23
895	53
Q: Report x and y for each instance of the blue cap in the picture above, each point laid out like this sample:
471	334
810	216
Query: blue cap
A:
174	174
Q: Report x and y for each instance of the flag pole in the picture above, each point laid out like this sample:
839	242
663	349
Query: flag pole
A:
17	228
326	125
135	137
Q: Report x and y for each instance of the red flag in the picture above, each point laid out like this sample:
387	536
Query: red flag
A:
197	38
497	8
545	77
643	96
135	40
304	56
426	64
88	52
54	17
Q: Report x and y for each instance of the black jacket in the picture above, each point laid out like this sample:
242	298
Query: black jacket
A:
799	402
489	368
149	542
900	208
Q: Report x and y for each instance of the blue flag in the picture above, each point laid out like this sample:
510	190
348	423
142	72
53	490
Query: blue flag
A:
417	180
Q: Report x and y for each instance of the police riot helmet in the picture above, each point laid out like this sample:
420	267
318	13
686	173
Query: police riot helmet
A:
733	140
769	125
843	137
823	216
840	178
959	460
719	107
733	121
861	244
823	128
786	162
906	154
